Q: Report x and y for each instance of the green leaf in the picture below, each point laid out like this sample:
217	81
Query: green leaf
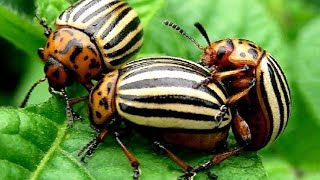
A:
300	145
36	144
20	31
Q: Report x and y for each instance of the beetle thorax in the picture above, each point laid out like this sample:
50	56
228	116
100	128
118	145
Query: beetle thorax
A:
74	50
102	100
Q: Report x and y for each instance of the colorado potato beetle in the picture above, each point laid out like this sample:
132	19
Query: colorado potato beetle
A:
258	89
92	37
156	96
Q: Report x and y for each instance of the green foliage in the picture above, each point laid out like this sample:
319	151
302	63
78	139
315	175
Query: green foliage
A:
36	144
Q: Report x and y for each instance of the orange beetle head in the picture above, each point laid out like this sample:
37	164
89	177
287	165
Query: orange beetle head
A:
58	76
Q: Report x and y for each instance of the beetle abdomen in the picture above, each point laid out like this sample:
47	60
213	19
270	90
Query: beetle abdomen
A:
160	93
113	25
274	95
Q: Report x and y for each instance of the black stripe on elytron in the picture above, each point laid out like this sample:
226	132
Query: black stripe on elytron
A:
83	9
127	47
68	31
122	60
165	113
266	103
70	10
163	67
277	92
170	99
158	82
169	82
167	60
114	23
95	26
133	25
164	62
70	44
285	95
98	11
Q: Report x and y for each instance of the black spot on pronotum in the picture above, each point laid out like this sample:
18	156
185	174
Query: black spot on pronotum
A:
56	73
221	52
88	76
109	85
104	102
218	41
55	51
75	53
98	114
253	52
252	45
242	54
85	58
48	45
230	43
76	66
55	35
92	49
93	64
99	93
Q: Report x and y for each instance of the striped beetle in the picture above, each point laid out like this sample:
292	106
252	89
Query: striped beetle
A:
157	96
92	37
257	86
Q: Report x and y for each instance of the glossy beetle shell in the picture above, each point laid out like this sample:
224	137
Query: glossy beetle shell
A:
158	93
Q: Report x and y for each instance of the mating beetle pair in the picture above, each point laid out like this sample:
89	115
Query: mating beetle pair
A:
259	97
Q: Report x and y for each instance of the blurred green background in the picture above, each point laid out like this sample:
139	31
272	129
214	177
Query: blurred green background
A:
288	29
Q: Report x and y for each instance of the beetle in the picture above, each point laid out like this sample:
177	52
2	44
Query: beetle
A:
258	89
92	38
156	96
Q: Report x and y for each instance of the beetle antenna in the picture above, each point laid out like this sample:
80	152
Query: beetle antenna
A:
43	23
25	100
202	31
182	32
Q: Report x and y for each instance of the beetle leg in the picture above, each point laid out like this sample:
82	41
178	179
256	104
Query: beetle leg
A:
93	144
185	166
217	159
218	76
76	100
232	73
88	85
132	159
234	98
71	114
25	100
219	117
241	129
